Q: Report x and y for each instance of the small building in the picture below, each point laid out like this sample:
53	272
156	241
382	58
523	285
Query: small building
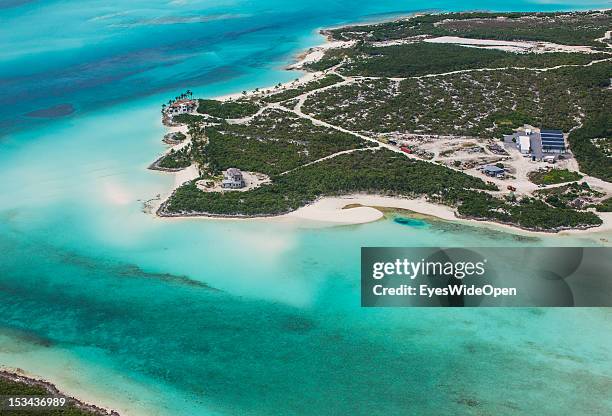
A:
525	144
233	179
494	171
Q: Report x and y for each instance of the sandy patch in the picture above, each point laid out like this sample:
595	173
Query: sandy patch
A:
512	46
331	209
316	54
188	174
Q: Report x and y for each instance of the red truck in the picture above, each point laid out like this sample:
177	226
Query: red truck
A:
406	149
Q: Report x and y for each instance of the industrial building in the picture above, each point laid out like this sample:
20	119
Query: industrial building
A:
537	143
553	141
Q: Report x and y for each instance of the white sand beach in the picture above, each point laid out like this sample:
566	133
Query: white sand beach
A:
331	211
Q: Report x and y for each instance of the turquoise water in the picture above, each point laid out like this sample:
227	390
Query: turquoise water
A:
199	317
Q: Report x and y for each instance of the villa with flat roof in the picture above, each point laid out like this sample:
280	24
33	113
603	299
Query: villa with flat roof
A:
233	179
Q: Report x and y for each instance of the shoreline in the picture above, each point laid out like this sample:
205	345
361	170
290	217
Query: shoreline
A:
22	377
330	211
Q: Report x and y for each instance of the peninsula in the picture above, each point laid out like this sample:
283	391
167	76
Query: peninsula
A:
501	117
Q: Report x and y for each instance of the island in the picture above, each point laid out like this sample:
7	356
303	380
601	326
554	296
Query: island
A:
501	117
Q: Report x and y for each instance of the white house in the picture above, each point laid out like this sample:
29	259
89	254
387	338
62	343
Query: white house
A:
181	107
233	179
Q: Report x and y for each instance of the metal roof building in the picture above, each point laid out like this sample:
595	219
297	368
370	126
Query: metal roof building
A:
552	141
492	170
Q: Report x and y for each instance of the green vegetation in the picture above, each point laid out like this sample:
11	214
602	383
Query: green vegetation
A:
529	213
482	104
187	118
179	136
313	85
380	171
573	195
553	176
274	142
13	388
605	206
594	160
227	109
417	59
176	159
565	28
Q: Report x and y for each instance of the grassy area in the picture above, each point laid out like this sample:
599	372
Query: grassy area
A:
274	142
554	176
480	104
377	172
421	58
227	109
380	171
13	388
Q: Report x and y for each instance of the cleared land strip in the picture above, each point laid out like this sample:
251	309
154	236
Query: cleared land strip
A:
318	122
467	71
344	152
